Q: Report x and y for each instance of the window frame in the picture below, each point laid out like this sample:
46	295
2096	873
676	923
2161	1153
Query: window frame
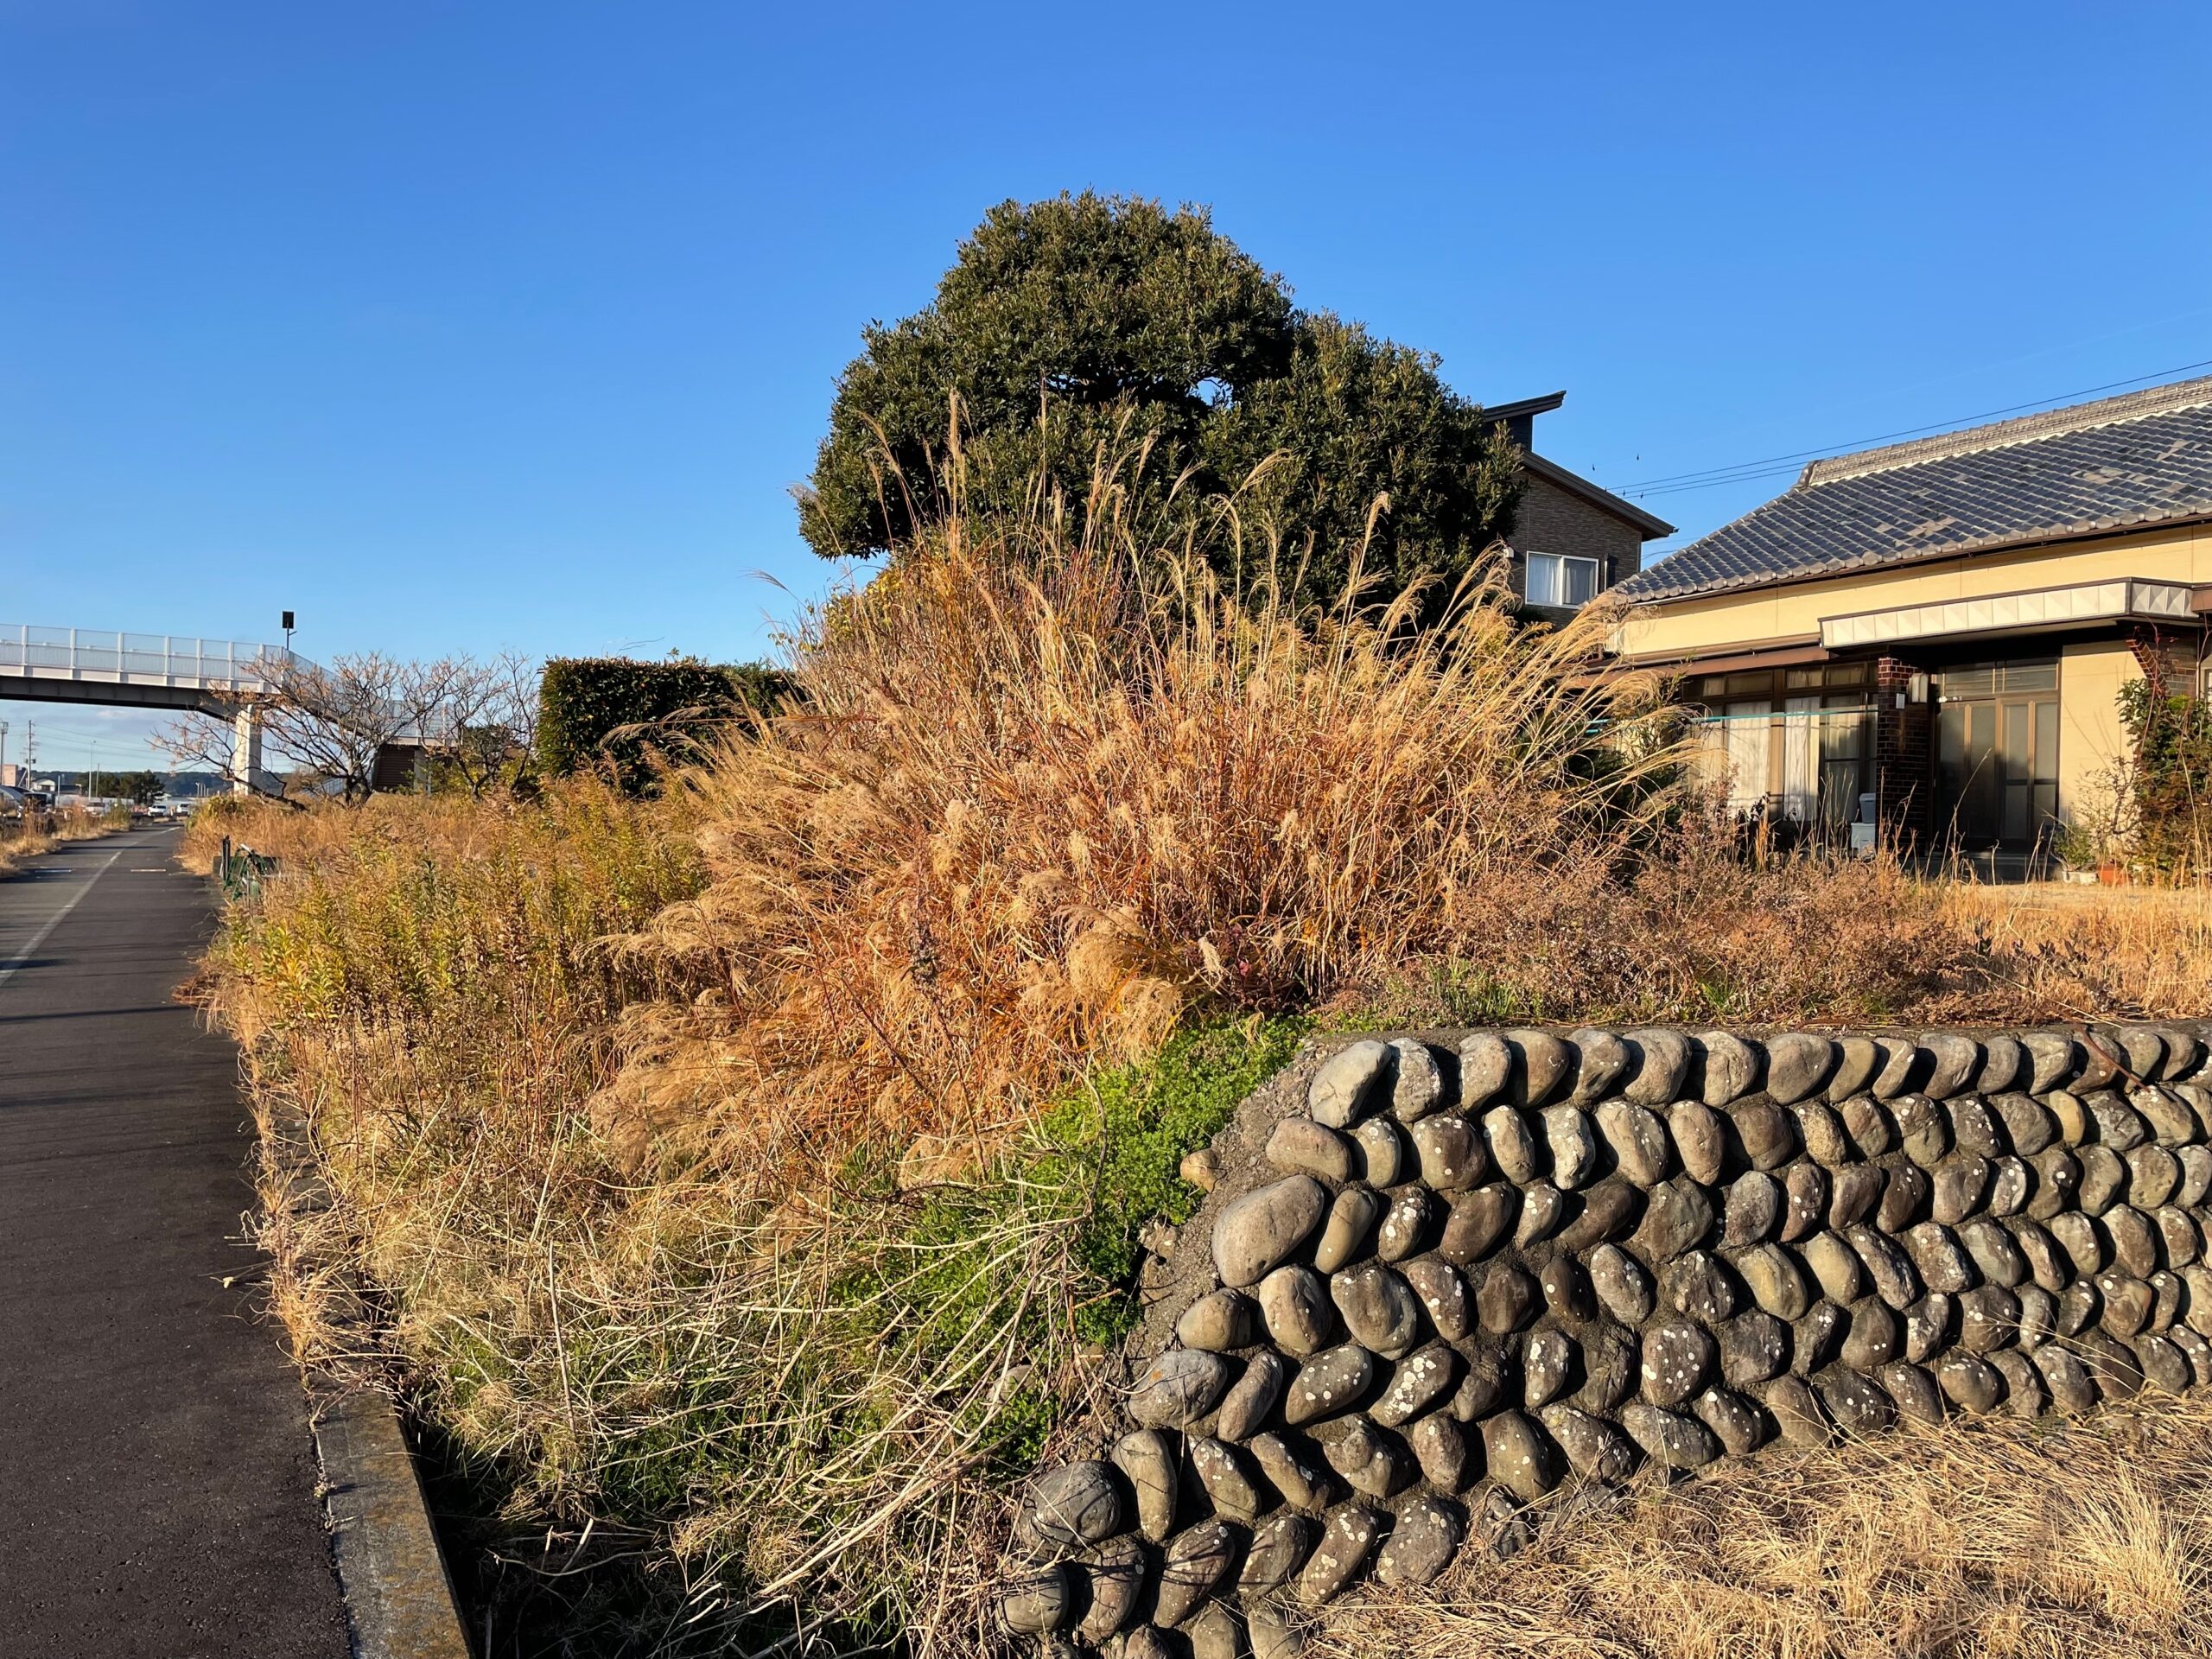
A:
1560	561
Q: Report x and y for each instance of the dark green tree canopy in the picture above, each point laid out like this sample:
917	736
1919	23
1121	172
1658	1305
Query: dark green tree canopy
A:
1070	324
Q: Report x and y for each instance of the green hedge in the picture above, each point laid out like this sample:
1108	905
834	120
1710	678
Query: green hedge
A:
610	709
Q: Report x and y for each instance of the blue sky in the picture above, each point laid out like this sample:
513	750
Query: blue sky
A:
464	327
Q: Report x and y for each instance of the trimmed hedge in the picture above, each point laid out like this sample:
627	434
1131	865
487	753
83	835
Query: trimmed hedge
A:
595	710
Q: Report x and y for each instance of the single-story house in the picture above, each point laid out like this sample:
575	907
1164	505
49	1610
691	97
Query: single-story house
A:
1933	635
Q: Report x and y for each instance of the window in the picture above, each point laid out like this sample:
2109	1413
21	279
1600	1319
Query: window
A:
1555	579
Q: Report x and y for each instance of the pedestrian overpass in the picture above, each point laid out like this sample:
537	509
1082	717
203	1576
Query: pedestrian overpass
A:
230	679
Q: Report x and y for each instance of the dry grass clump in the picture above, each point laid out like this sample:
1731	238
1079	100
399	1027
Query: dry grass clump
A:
1036	808
2080	953
1996	1538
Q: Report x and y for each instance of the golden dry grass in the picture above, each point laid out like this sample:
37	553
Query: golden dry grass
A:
604	1095
1995	1538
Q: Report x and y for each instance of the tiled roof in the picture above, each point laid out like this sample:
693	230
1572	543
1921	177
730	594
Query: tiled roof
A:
2118	464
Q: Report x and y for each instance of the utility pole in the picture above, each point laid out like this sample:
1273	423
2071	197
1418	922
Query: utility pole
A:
3	745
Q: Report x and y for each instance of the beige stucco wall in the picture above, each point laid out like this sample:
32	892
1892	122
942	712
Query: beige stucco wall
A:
2090	737
1736	620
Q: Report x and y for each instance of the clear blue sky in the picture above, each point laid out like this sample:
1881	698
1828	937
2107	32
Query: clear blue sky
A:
466	326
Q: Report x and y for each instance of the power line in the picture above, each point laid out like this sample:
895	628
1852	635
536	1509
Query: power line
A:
1744	471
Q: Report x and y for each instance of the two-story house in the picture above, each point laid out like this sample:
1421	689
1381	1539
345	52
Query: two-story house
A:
1571	540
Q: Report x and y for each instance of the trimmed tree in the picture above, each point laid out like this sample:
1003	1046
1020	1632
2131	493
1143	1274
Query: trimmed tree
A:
1080	323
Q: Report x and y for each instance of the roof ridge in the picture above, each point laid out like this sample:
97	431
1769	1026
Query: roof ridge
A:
1999	434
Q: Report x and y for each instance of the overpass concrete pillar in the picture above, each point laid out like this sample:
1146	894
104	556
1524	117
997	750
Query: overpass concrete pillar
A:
247	775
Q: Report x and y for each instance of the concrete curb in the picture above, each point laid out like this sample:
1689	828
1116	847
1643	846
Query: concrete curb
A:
399	1601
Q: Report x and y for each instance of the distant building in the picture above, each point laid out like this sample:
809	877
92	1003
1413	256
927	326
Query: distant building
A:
1943	627
1571	540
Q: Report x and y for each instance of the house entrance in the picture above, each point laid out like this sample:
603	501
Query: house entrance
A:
1997	754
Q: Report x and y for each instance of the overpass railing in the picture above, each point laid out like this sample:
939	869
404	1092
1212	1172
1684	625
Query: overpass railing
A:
135	659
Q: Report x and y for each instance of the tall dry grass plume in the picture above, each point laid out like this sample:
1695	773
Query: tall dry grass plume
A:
1046	794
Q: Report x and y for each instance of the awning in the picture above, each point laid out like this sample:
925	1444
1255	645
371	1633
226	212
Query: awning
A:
2127	598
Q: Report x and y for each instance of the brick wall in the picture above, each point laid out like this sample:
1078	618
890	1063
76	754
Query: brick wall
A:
1904	751
1551	521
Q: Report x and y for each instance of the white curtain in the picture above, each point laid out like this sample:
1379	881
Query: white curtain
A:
1739	741
1801	759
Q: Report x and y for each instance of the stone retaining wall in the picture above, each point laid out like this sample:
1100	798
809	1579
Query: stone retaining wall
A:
1439	1275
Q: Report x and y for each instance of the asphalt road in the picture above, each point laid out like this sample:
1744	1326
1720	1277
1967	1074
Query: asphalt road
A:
157	1481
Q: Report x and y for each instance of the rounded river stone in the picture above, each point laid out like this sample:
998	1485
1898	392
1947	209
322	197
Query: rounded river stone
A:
1379	1308
1448	1153
1372	1463
1381	1151
1856	1404
1179	1388
1935	1251
1737	1424
1608	1211
1636	1138
1329	1385
1996	1257
1513	1145
1904	1198
1875	1338
1075	1505
1815	1339
1601	1060
1573	1147
1440	1447
1731	1067
1696	1286
1797	1412
2051	1060
1594	1449
1479	1222
1927	1326
1754	1347
1546	1362
1406	1226
1835	1266
1295	1307
1482	1389
1797	1063
1955	1058
1195	1560
2165	1366
1624	1288
1667	1437
1678	1359
1887	1266
1037	1599
1147	1460
1519	1457
2027	1126
1867	1122
1218	1322
2152	1174
1115	1569
1420	1546
1543	1208
1421	1378
1767	1132
1918	1397
2071	1389
2003	1063
1485	1063
1302	1482
1258	1232
1346	1542
1508	1298
1750	1209
1417	1089
1566	1289
1958	1186
1804	1200
2104	1178
1249	1400
1545	1061
2009	1183
1823	1133
2080	1239
1663	1060
1678	1217
1901	1062
1854	1192
1298	1145
1774	1281
1610	1354
1700	1140
2127	1303
1220	1469
2182	1239
1989	1318
1443	1296
1348	1084
1352	1219
1924	1132
1971	1383
2041	1253
2134	1240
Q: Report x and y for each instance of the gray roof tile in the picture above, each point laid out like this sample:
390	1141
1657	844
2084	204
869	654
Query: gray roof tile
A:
2121	463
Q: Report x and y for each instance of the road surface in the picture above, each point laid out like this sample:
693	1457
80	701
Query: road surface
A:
157	1481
